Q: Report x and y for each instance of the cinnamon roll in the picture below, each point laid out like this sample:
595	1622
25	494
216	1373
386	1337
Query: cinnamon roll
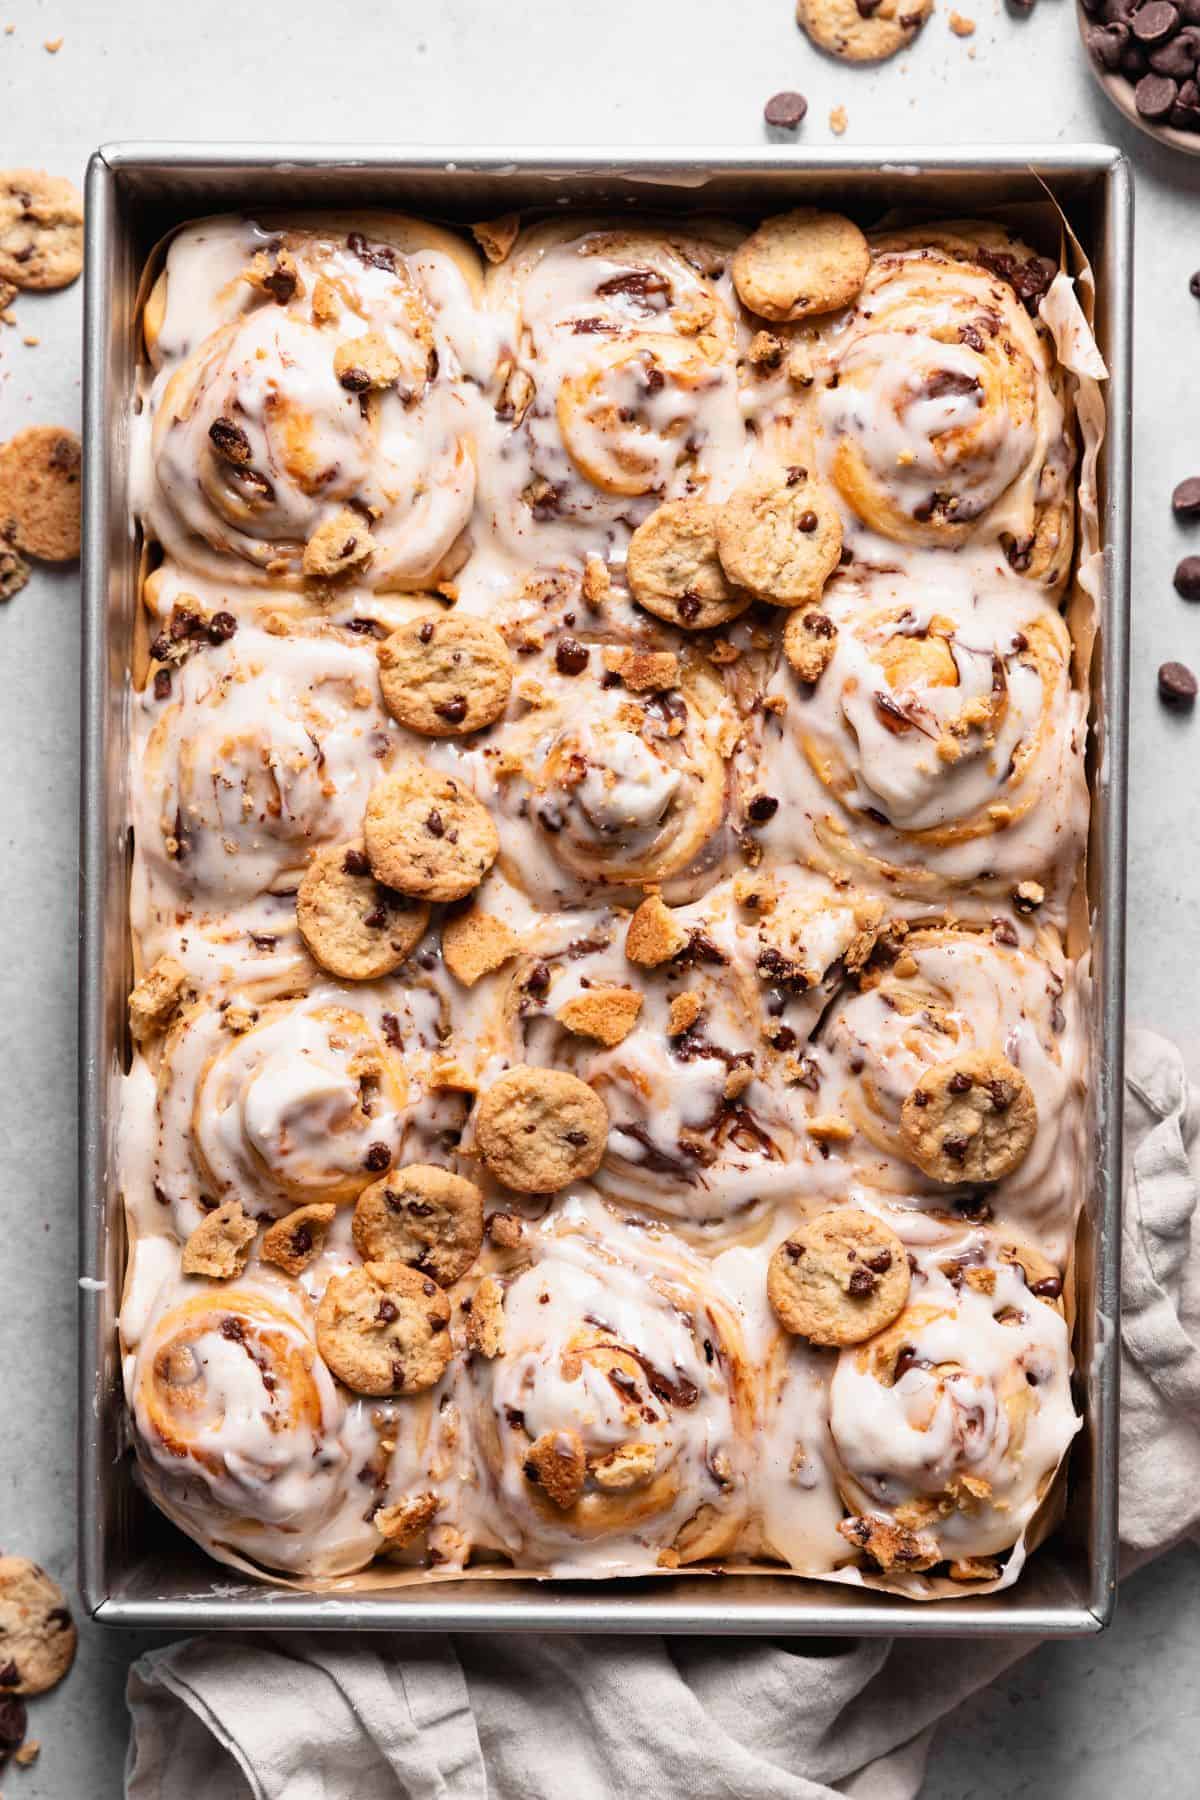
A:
943	413
303	371
610	1402
290	1101
617	381
942	744
949	995
243	1437
948	1427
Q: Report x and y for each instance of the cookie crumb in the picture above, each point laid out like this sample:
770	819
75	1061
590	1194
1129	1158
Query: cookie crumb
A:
30	1749
838	120
961	26
53	45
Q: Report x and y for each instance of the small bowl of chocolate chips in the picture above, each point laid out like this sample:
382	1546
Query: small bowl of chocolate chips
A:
1145	54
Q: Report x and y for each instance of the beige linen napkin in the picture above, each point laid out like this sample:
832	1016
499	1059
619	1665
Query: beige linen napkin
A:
518	1718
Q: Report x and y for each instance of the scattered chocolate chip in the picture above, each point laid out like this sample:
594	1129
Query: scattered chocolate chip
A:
762	807
1176	685
1154	22
1187	578
230	441
435	825
355	862
355	381
162	684
221	627
785	110
377	1159
862	1283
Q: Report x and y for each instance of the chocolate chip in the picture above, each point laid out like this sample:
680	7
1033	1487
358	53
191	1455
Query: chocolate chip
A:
1154	21
435	825
425	632
862	1283
1177	56
956	1148
570	656
576	1138
807	522
881	1262
454	710
355	381
355	862
1005	932
1176	685
785	110
1107	45
162	684
762	807
221	627
1154	95
387	1311
1185	503
13	1722
959	1083
10	1675
1187	578
377	1159
1194	285
231	441
377	255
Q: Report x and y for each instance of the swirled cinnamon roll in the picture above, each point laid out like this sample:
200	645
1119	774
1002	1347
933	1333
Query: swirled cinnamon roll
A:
943	411
617	384
942	745
309	377
244	1438
291	1101
699	1059
948	1427
610	1402
970	1007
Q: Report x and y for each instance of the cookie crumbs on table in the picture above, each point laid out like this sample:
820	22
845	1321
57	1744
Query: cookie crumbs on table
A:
838	120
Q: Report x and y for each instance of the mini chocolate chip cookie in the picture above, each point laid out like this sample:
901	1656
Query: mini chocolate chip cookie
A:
41	229
384	1329
40	494
809	640
839	1278
220	1244
292	1243
37	1633
970	1118
353	925
780	536
539	1129
445	674
426	1217
862	32
428	836
338	547
801	263
673	569
556	1462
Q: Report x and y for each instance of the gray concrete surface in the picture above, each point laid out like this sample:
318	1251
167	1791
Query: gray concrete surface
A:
1108	1718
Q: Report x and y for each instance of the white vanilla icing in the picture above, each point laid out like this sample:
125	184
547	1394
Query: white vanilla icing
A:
868	875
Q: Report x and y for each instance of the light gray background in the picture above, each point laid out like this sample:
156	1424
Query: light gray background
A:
1112	1717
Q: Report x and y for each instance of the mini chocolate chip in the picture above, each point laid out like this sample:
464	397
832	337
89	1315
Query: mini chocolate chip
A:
570	656
231	441
688	607
13	1723
355	381
454	710
377	1159
1049	1288
1194	285
959	1083
881	1262
1003	1094
538	979
807	522
221	627
956	1148
576	1138
302	1240
862	1282
376	919
1107	45
425	632
785	110
435	825
388	1310
162	684
762	807
1176	685
1187	578
355	862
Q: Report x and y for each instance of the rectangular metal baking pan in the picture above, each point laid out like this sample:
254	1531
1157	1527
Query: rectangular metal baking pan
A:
135	1569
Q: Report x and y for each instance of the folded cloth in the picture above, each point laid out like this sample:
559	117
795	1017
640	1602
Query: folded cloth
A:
329	1717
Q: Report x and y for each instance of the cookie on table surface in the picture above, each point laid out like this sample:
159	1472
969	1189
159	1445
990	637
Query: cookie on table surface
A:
839	1278
41	229
428	836
40	493
801	263
352	925
970	1118
540	1129
292	1242
384	1329
673	569
780	536
856	31
424	1216
445	674
37	1633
